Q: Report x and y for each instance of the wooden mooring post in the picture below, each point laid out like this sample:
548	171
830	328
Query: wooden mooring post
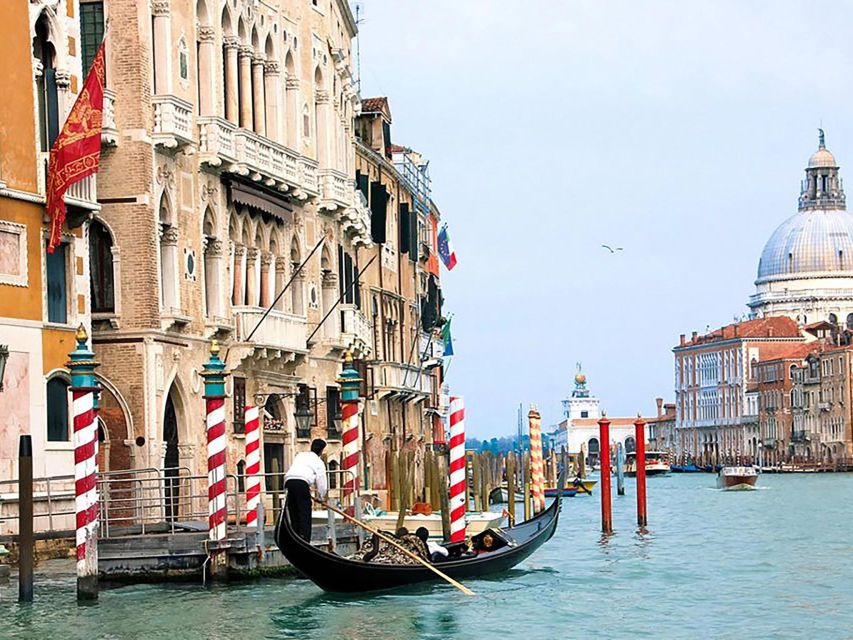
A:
604	440
25	519
526	484
640	437
620	469
510	486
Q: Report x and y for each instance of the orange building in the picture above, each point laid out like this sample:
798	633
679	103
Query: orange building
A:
43	297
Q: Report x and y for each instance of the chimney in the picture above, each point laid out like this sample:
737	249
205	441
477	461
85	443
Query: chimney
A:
693	336
660	406
681	339
737	329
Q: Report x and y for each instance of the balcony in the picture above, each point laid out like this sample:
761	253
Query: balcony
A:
109	132
279	331
243	152
173	119
84	194
406	380
356	332
336	190
355	221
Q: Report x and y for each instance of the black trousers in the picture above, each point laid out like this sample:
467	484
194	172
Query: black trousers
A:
299	507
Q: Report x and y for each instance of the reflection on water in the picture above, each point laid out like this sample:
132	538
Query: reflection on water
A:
762	563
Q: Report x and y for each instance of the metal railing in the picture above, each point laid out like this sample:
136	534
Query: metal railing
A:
141	501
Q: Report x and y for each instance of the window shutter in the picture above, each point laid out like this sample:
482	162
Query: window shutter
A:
239	405
52	106
362	182
57	294
378	211
348	279
405	230
413	231
57	410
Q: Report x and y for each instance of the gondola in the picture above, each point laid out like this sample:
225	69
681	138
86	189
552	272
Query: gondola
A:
337	574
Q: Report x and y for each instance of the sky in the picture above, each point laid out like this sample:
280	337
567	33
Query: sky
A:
677	130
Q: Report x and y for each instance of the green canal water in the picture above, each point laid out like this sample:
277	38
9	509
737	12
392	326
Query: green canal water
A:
772	563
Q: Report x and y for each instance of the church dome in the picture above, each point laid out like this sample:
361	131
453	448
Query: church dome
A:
822	158
812	241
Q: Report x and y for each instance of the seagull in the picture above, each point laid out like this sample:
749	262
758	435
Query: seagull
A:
611	249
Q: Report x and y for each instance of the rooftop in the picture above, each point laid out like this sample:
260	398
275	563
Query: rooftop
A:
376	105
771	327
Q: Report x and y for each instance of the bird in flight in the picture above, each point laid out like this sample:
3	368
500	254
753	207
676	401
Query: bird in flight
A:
611	249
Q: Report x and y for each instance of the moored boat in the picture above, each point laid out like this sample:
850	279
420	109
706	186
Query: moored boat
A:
741	478
335	573
568	492
656	464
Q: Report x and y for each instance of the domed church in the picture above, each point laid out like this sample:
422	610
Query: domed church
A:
806	268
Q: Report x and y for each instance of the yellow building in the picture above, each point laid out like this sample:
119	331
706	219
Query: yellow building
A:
43	297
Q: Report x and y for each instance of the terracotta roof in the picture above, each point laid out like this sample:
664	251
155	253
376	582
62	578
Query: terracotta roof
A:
376	105
396	148
823	324
770	352
772	327
593	422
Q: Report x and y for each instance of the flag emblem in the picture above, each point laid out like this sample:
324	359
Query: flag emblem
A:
445	249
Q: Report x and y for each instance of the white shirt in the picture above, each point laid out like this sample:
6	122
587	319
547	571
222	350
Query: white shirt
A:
434	547
309	467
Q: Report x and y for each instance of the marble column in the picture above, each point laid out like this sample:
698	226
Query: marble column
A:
246	87
238	298
259	109
280	281
266	261
162	28
232	93
251	278
272	92
206	74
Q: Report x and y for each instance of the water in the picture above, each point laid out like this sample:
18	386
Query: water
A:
771	563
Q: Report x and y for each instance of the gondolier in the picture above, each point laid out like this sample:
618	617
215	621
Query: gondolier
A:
307	469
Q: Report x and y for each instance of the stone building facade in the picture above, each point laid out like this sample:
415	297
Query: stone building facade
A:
232	171
713	378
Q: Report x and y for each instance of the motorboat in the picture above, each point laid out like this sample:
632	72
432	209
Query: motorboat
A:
657	464
742	478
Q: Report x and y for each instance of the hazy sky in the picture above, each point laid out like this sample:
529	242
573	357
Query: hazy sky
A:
677	130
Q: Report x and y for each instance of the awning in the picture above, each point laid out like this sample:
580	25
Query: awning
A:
262	201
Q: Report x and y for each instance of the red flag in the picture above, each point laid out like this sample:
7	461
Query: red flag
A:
77	150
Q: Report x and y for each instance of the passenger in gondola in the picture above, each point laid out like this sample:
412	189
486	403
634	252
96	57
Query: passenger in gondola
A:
307	469
436	552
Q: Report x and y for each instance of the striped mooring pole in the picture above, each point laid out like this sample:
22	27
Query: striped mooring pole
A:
84	394
458	470
214	375
253	466
350	386
537	477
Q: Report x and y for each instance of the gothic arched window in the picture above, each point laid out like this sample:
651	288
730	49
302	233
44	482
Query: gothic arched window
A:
102	278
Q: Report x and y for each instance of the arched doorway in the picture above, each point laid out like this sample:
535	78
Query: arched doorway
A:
171	459
592	448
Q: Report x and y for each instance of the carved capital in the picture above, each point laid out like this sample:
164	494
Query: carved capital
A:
252	254
63	78
266	260
213	247
258	61
206	34
271	68
292	83
280	265
330	279
239	250
247	52
321	96
169	235
160	8
230	42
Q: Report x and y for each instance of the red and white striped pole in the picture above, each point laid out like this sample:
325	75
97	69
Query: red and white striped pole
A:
458	471
84	388
214	395
351	436
537	475
253	466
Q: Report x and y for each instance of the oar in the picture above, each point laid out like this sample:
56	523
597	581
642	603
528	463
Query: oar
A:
414	556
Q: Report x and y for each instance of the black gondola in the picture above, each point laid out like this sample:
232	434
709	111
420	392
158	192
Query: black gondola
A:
335	573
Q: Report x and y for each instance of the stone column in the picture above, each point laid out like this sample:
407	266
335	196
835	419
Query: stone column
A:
272	91
232	107
266	261
162	40
296	292
237	293
292	112
328	298
212	277
260	112
280	280
246	87
206	73
251	283
169	266
321	126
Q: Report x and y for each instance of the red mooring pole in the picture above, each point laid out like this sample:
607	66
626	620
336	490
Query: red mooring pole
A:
604	453
640	437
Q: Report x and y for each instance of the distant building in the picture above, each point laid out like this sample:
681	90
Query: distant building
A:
806	268
660	430
579	433
713	373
